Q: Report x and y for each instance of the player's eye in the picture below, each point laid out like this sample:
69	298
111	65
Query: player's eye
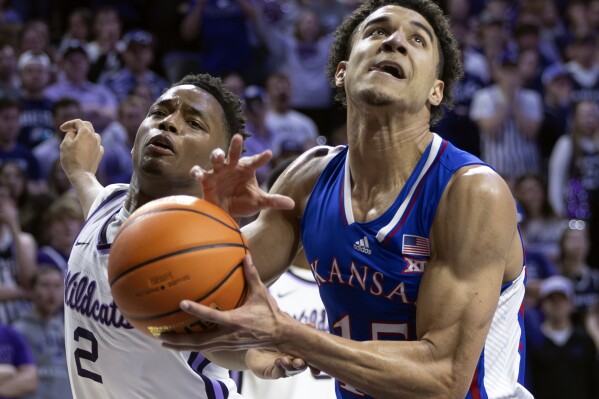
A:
377	32
419	40
195	124
157	112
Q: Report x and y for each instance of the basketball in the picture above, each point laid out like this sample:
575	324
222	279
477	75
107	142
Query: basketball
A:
175	248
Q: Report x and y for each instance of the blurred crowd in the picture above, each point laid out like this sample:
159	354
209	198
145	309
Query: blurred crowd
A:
528	105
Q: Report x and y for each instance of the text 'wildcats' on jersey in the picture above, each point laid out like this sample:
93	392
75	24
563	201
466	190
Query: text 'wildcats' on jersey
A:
107	358
369	273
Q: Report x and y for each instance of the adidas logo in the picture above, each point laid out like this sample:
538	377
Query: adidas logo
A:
363	246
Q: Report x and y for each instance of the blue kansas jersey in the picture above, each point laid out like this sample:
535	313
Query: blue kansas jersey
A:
369	273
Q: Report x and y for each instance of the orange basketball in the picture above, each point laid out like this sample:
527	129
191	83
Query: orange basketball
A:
176	248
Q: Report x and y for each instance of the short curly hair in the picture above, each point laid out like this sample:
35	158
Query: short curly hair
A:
234	117
450	63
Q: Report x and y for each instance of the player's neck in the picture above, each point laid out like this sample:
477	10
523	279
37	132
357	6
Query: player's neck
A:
140	195
389	147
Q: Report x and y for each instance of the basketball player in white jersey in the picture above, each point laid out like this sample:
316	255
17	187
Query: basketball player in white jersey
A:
106	357
414	243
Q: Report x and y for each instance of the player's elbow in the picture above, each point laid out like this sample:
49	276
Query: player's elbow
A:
448	380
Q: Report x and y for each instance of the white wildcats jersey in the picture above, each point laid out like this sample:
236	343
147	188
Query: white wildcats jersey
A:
297	294
106	357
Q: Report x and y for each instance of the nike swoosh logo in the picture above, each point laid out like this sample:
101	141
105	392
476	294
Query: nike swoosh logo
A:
81	243
284	294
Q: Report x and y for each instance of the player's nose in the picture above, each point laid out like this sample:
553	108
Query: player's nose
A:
395	42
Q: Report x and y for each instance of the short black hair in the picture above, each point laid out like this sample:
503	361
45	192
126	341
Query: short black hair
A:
63	103
450	65
234	118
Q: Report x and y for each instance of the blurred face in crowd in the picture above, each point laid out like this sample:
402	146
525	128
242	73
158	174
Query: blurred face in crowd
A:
76	66
308	26
132	115
13	179
107	26
78	26
279	92
8	62
235	84
34	77
9	125
66	113
531	194
586	118
63	231
138	57
556	307
575	244
35	37
48	292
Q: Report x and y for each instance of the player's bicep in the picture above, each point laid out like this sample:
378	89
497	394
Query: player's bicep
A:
460	289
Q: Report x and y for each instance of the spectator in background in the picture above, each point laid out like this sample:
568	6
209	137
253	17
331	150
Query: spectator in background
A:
456	125
105	50
43	328
221	30
36	109
583	69
287	124
12	150
98	103
64	109
30	206
58	182
302	56
508	118
562	360
235	83
9	79
574	246
541	228
574	172
35	37
557	86
17	260
118	139
493	41
78	27
262	138
62	222
137	57
18	373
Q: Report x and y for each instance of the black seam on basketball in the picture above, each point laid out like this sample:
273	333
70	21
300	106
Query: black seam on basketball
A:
168	255
142	216
171	312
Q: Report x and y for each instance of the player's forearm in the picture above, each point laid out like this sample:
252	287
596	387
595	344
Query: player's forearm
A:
23	383
382	369
232	360
86	187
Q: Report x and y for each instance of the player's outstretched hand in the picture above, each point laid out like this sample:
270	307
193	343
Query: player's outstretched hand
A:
80	150
256	324
270	364
232	184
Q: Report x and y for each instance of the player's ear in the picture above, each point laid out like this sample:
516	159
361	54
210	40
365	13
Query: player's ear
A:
436	94
340	74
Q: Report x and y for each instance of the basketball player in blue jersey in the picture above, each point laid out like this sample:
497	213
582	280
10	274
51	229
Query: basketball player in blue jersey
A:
106	357
413	243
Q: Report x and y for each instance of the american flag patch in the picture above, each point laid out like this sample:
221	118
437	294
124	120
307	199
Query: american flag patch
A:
415	245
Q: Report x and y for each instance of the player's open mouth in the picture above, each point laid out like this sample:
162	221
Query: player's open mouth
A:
161	144
389	67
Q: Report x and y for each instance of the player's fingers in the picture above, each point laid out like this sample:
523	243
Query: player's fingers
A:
197	173
235	149
70	125
251	274
204	312
259	160
217	159
278	201
314	371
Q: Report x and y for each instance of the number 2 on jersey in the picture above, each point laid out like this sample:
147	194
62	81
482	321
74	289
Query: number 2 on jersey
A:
90	355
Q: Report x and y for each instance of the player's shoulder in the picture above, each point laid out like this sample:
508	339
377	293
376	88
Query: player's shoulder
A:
301	175
478	185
